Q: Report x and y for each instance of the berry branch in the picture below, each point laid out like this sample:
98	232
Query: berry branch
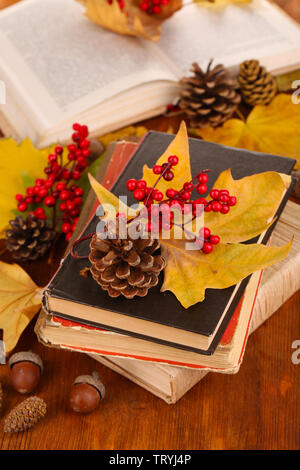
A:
221	201
59	191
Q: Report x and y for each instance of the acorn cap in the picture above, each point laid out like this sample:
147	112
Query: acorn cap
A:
92	380
27	356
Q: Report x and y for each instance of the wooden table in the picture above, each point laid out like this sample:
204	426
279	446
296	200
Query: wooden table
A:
259	408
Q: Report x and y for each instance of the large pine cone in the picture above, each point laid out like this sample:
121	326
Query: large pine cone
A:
256	84
125	267
29	239
209	98
25	415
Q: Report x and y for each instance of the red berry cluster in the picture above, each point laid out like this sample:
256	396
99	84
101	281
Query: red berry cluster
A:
153	7
220	201
57	188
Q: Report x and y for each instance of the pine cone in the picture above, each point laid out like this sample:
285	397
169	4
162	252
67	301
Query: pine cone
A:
25	415
29	239
1	398
256	84
209	98
125	266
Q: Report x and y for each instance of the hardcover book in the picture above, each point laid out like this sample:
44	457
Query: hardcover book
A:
160	317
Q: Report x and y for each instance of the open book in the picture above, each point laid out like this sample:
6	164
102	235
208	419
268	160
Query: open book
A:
58	67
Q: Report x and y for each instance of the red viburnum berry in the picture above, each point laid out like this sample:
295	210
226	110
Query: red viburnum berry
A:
225	209
168	176
157	169
131	184
139	194
59	150
186	195
216	206
204	232
66	227
232	201
22	206
52	158
214	239
78	192
214	193
49	201
188	186
207	248
30	191
64	195
202	178
141	184
173	159
170	193
201	188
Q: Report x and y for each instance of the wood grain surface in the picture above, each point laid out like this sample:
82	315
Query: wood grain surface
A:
258	408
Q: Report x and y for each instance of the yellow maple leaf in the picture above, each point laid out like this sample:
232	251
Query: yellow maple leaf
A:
258	197
130	20
189	273
15	158
269	129
19	302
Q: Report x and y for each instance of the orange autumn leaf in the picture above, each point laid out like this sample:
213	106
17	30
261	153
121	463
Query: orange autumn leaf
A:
19	302
268	129
130	20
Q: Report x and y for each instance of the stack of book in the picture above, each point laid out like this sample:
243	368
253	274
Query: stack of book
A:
154	341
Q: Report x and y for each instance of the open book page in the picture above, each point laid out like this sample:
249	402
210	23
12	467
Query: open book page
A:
66	62
230	35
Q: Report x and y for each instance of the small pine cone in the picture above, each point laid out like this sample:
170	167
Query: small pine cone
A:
28	239
209	98
1	398
256	84
124	266
25	415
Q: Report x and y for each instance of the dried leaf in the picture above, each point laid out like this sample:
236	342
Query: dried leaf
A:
269	129
189	273
19	302
15	158
131	20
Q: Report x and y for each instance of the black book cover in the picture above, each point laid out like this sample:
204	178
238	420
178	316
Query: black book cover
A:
203	317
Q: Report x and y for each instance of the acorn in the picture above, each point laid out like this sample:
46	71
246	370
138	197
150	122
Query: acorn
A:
26	369
86	394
